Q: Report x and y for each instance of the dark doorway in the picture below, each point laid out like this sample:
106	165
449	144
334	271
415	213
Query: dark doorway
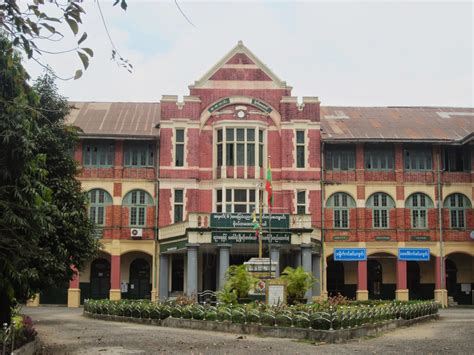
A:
335	278
55	294
239	259
451	277
413	280
100	279
139	286
374	279
209	271
177	273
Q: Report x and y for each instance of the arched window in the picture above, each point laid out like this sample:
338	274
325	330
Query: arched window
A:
98	200
419	204
381	204
138	201
341	203
457	204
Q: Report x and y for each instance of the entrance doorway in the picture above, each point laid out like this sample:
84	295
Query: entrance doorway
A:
451	277
335	278
100	279
374	279
413	280
177	273
209	261
139	286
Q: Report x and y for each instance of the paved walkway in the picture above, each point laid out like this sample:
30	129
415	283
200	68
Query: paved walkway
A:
66	331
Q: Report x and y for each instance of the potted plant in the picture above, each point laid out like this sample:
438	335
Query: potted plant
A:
240	281
298	282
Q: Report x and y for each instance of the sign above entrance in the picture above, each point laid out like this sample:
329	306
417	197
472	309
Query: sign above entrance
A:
177	245
414	254
226	101
249	237
219	104
245	220
261	105
350	254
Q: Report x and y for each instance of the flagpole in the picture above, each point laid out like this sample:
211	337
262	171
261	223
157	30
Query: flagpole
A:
270	227
270	239
260	242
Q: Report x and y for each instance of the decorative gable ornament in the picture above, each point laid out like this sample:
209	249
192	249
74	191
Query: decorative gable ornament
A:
240	68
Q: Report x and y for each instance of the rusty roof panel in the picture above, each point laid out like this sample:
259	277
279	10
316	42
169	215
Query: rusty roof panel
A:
397	123
115	118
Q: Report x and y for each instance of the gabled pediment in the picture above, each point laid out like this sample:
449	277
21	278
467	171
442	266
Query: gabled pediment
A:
240	68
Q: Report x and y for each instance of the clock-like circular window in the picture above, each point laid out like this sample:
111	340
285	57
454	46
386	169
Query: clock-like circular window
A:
241	114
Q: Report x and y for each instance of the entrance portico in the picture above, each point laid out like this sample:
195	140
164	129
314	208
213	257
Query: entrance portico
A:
206	253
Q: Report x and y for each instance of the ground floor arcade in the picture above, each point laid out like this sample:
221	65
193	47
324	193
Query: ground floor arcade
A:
190	262
384	276
123	269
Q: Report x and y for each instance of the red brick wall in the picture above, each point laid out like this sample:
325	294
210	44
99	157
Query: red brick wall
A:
314	147
165	207
166	147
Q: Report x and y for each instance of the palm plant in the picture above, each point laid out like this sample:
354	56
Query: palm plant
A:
240	280
298	281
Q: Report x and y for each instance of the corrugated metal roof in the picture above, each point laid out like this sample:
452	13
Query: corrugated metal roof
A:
338	123
397	123
115	118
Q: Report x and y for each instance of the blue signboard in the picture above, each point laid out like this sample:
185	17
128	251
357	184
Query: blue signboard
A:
350	254
414	254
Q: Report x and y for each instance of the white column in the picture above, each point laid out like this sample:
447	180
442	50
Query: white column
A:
192	270
163	281
224	256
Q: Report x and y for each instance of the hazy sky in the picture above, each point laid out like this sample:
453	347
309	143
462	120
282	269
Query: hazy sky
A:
347	53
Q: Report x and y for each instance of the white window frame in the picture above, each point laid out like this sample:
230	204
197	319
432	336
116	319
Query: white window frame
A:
298	204
257	126
301	145
250	205
175	143
182	204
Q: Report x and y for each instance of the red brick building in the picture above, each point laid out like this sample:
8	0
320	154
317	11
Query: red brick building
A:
215	148
406	177
173	185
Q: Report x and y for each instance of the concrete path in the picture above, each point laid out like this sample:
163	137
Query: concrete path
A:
66	331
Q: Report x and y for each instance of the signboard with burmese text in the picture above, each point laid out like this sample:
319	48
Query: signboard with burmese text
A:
249	237
414	254
245	220
350	254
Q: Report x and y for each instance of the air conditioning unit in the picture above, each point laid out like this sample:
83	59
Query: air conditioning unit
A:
136	233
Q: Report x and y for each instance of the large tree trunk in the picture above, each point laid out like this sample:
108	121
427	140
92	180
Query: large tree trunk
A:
5	307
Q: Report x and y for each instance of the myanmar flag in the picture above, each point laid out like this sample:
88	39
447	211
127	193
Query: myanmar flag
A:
268	185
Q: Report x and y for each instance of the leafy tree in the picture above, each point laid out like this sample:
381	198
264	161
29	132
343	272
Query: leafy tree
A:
22	193
31	23
43	221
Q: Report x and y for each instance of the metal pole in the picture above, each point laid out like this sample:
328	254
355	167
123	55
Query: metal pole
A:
270	228
260	236
440	217
323	207
270	238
